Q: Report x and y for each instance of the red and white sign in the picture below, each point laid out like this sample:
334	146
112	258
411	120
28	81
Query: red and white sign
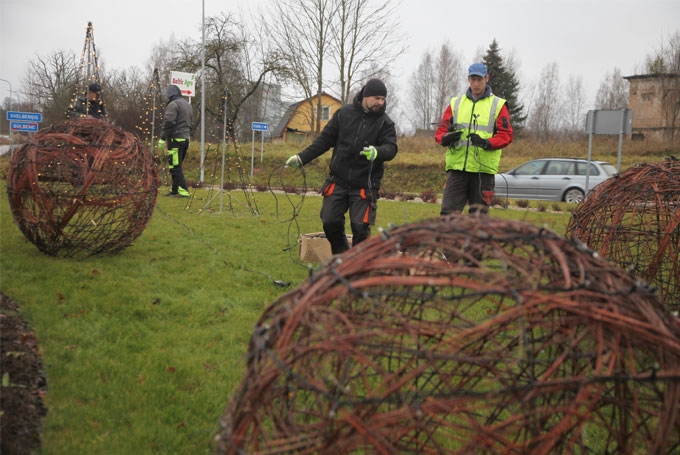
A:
185	81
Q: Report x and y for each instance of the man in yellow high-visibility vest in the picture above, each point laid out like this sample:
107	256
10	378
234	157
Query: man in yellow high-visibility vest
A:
474	129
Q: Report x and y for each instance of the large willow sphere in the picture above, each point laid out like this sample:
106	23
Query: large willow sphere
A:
634	221
82	187
461	335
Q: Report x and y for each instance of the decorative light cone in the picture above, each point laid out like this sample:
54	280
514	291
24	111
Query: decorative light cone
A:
461	335
634	221
82	187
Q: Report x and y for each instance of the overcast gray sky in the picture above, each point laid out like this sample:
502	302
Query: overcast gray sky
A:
586	38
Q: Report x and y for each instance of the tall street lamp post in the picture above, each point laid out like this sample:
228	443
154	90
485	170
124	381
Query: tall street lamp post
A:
11	137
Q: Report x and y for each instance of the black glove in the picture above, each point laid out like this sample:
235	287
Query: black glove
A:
479	142
451	137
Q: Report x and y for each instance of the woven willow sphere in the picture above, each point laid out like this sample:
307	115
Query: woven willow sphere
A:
461	335
82	187
634	221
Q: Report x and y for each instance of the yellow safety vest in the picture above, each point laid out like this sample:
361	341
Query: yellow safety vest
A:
474	117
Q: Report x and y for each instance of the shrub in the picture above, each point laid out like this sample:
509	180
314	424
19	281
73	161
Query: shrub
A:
429	196
499	201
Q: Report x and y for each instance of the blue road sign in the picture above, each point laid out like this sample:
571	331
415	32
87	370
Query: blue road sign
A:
259	126
24	116
23	126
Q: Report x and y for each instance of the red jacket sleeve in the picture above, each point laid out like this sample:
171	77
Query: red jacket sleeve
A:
443	125
502	136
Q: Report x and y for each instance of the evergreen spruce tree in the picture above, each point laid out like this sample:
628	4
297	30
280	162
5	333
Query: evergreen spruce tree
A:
504	83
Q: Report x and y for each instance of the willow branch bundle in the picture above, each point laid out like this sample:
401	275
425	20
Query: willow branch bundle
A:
634	221
82	187
461	335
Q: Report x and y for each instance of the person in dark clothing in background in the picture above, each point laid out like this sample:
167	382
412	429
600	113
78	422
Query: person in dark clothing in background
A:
175	133
95	104
91	105
363	137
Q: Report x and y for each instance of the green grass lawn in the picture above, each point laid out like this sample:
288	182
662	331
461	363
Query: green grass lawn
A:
143	349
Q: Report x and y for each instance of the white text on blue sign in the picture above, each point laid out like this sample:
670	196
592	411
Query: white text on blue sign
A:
24	116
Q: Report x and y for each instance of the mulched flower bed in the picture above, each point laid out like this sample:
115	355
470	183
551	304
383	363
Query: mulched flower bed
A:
23	383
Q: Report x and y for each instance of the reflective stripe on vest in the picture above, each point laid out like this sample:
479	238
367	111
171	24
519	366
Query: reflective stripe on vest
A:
463	156
491	115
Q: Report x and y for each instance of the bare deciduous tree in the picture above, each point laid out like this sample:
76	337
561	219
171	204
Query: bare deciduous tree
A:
613	91
665	59
574	105
433	85
357	46
421	94
545	113
49	83
235	73
301	30
123	94
310	34
449	77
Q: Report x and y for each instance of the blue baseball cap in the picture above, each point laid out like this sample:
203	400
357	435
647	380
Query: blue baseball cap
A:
477	69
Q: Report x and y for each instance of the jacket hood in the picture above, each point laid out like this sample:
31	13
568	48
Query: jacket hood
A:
173	92
487	92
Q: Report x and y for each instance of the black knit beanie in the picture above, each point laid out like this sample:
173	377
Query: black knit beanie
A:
375	87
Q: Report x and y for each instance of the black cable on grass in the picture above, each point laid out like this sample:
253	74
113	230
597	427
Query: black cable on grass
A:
296	208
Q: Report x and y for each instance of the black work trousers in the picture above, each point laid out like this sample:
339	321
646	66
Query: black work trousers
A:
337	200
177	151
473	188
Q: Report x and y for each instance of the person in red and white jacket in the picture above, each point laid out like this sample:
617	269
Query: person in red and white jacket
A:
474	129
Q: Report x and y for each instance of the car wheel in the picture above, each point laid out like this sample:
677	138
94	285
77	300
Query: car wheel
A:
573	196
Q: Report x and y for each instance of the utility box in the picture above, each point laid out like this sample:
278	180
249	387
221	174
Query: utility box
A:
315	248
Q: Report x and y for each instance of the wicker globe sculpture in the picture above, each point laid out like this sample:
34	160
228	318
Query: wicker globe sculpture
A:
461	335
634	221
81	188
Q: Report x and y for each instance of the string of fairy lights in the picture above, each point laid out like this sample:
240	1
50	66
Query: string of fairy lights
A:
148	126
229	170
88	71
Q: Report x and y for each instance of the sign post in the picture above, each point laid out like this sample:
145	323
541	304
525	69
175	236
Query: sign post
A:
608	121
26	122
23	126
24	116
185	81
261	127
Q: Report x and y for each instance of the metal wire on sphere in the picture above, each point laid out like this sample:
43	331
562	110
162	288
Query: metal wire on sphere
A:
82	187
461	335
634	221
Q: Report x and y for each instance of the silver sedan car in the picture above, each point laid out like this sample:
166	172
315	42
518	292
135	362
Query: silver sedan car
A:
553	179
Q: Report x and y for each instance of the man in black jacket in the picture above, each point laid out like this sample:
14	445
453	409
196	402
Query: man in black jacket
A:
363	137
176	132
